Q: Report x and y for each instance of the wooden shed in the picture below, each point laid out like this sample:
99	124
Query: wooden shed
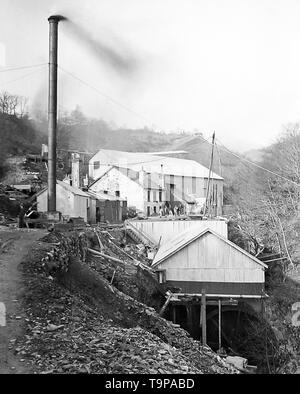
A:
198	259
70	201
109	208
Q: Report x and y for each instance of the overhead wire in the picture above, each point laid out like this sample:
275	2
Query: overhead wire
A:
249	161
22	67
256	165
19	78
116	102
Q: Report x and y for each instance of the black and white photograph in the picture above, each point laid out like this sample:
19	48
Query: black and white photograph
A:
150	190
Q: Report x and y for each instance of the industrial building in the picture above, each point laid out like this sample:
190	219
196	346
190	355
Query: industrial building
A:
70	201
93	208
197	260
155	180
139	190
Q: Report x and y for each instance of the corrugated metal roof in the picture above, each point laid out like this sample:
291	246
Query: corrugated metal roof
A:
185	238
152	163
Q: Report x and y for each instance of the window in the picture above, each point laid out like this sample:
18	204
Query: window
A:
160	196
96	165
154	195
105	191
117	193
149	197
148	211
154	209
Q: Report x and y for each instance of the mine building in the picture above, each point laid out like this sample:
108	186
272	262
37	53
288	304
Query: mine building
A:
150	181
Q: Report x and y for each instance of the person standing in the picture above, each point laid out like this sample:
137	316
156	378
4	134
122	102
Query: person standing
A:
161	212
175	210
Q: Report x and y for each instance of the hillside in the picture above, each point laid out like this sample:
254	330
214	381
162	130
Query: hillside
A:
256	155
17	136
24	135
75	317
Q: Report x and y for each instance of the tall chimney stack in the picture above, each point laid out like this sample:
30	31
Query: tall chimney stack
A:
75	170
52	110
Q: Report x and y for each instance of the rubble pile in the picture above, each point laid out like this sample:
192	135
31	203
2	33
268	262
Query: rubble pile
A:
80	341
127	274
131	279
115	241
127	311
63	248
9	206
77	322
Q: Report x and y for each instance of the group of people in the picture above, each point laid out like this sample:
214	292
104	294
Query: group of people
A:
167	210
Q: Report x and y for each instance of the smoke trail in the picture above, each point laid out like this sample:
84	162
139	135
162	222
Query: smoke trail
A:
120	58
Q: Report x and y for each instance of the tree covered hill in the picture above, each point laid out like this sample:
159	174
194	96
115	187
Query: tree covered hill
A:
20	134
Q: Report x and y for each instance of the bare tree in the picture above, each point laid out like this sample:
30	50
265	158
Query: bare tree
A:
11	104
22	106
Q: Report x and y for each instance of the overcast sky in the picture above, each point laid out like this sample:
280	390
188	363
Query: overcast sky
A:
231	66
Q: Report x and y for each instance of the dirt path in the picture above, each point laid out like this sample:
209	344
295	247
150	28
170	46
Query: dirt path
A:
14	246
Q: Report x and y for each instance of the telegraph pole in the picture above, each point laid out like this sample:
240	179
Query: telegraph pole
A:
209	175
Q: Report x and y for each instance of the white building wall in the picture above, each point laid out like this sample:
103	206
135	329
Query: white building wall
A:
67	203
114	181
81	207
64	201
209	259
185	183
96	173
154	200
42	202
92	211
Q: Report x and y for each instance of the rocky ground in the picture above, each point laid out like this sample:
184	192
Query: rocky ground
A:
76	321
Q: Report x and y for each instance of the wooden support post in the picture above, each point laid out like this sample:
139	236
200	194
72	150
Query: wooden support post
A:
200	322
220	324
262	307
237	324
189	317
161	312
203	313
174	313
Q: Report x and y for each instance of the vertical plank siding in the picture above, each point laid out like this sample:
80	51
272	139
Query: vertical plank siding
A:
212	260
167	229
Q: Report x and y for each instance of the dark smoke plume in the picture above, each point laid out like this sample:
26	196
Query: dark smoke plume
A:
119	58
